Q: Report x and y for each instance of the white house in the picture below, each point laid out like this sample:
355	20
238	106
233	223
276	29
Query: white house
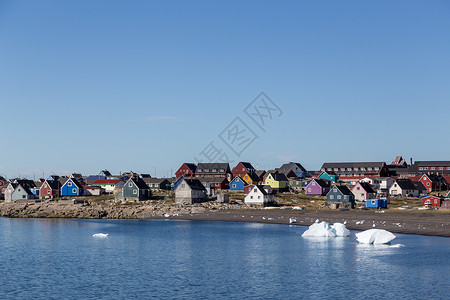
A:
406	187
379	183
258	195
189	191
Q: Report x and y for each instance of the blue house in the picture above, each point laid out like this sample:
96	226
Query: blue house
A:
72	188
376	203
237	184
331	176
341	194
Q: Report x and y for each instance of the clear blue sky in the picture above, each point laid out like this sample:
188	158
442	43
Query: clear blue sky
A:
146	85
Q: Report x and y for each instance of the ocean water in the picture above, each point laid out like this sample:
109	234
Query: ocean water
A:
163	259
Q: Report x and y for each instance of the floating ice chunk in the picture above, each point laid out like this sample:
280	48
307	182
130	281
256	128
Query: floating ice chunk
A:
322	229
340	229
101	235
375	236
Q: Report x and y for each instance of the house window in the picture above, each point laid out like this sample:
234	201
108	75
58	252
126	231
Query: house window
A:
428	184
357	188
222	170
431	168
48	192
331	197
183	185
255	190
309	189
214	170
373	202
74	191
369	168
243	169
234	185
251	197
420	168
313	183
69	184
134	191
339	196
23	197
259	197
130	184
377	168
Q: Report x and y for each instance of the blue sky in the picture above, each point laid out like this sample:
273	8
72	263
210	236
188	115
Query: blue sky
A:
146	85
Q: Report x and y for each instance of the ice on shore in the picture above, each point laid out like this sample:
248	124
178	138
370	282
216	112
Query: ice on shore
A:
375	236
101	235
323	229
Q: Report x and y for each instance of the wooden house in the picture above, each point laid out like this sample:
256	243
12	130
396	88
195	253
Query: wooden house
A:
407	187
135	189
158	183
352	172
381	184
50	189
363	191
237	184
432	201
252	178
213	170
213	183
293	169
17	192
90	190
341	194
186	170
376	203
72	188
258	196
330	175
277	181
189	191
242	168
296	184
107	184
318	187
433	182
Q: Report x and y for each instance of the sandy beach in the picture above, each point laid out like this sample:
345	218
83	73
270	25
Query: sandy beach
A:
435	223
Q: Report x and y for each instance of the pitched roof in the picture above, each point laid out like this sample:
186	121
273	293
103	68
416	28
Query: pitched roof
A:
212	179
379	164
194	184
405	184
26	183
25	188
260	172
260	188
146	175
254	177
343	189
291	166
367	187
139	183
279	177
418	185
322	182
155	180
435	163
107	181
54	184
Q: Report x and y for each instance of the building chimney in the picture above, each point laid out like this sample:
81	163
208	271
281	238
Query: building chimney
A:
410	161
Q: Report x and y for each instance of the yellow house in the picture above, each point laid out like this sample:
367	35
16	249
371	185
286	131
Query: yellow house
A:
251	178
277	181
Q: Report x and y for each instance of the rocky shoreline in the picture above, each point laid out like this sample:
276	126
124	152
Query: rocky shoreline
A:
412	222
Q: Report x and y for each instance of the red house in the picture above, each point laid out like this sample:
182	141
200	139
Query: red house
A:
186	170
49	189
242	168
433	182
432	200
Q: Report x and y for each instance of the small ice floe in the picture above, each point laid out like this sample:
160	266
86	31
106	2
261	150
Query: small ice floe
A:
323	229
166	215
397	246
100	235
375	236
292	220
360	222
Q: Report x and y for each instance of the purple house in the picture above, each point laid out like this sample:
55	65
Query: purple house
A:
318	187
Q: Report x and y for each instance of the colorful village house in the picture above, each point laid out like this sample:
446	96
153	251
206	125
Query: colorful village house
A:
293	169
330	175
363	191
296	184
252	178
107	184
432	201
242	168
341	194
158	183
277	181
49	189
381	184
318	187
214	170
406	187
214	183
186	170
17	192
135	189
72	188
259	196
237	184
352	172
189	191
433	182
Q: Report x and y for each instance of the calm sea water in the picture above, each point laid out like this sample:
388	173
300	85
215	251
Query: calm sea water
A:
60	259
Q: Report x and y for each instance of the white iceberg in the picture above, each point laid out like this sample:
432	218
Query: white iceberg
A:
102	235
375	236
323	229
340	229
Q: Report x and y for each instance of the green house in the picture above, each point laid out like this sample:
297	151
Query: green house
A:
331	176
135	189
158	183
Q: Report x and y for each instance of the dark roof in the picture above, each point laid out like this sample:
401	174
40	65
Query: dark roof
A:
323	182
26	183
194	184
26	189
261	188
105	172
191	166
139	182
418	185
405	184
279	177
435	163
212	179
54	184
292	166
367	187
327	172
343	189
155	180
353	165
260	172
77	183
210	166
146	176
254	176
